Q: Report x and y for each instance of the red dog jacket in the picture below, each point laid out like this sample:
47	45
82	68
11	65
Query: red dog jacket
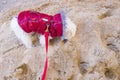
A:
31	21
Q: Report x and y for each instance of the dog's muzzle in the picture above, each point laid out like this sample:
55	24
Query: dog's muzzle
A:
31	21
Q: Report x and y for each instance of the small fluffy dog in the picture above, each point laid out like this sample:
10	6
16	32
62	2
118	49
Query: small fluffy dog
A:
30	26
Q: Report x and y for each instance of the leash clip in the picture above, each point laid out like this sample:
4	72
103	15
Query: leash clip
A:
47	29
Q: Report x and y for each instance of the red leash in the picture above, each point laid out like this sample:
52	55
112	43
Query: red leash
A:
46	34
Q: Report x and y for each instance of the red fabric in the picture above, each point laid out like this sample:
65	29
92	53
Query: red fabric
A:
34	21
56	28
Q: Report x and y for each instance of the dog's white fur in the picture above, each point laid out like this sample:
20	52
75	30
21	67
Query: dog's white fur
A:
26	37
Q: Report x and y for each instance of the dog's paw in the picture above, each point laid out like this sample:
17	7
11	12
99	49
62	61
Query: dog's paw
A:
34	39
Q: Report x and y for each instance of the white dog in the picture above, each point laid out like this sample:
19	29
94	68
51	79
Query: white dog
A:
28	39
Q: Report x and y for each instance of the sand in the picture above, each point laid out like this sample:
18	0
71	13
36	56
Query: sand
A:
93	54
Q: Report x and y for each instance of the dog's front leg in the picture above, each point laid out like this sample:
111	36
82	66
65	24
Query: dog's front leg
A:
42	39
26	38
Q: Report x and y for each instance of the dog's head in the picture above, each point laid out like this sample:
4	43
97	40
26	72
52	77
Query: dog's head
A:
71	29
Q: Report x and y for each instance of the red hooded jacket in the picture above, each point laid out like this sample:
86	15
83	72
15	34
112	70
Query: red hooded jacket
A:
31	21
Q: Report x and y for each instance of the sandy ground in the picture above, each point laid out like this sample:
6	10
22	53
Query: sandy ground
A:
93	54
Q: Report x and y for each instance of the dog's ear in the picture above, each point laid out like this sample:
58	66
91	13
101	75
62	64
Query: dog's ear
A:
70	29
